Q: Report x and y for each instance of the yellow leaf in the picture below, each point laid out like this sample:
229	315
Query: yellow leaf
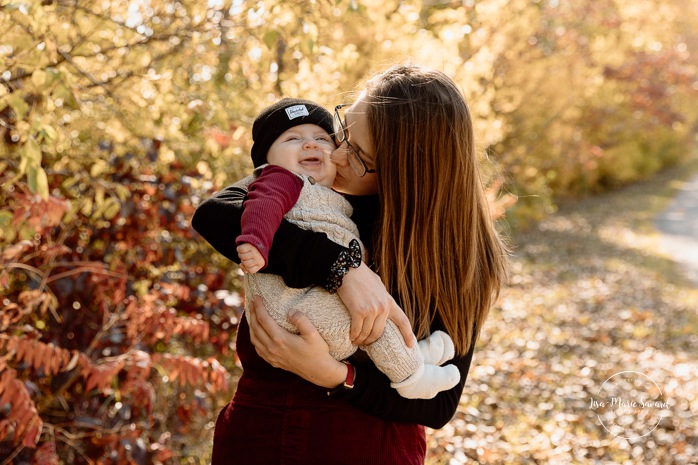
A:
98	168
99	195
42	183
32	152
87	207
111	209
39	78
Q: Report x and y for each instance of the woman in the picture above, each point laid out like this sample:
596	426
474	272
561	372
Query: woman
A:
407	163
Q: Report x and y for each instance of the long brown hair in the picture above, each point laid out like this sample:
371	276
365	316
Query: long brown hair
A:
437	246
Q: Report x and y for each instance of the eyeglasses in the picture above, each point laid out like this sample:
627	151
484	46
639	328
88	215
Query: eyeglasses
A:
340	134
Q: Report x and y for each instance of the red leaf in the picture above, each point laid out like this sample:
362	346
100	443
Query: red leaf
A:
33	431
5	427
39	355
46	454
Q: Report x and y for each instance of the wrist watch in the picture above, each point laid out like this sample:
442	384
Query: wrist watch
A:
348	382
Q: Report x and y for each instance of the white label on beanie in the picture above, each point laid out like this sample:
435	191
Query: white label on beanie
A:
296	111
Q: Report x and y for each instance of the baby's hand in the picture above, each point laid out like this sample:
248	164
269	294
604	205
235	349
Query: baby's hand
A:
251	260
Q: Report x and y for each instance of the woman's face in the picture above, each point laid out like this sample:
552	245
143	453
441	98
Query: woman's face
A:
346	181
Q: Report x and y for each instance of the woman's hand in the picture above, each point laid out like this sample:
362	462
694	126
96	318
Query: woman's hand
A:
370	305
306	355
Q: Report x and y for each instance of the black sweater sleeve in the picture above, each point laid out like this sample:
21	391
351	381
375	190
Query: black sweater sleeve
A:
301	257
372	393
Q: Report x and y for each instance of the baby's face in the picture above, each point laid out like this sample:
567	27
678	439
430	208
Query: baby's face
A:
305	149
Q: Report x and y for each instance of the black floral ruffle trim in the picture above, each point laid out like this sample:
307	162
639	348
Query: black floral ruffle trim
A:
350	258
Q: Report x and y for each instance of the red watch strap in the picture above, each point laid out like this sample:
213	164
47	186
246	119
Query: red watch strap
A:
348	382
351	375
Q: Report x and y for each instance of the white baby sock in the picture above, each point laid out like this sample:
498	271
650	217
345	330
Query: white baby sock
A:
428	381
437	348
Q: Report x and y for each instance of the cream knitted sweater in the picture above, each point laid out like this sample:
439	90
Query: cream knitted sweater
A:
321	209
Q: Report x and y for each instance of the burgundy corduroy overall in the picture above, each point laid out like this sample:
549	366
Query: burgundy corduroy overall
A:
277	418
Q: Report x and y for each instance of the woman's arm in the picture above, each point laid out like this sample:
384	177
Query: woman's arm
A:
307	355
301	257
372	394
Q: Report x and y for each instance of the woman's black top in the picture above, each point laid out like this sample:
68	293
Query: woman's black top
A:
304	258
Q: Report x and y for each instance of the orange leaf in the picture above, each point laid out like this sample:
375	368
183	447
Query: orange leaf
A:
65	358
21	423
55	359
91	382
5	427
46	454
10	345
33	431
22	346
39	356
7	387
164	454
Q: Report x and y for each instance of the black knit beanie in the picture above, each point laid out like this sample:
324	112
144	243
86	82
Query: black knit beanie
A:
281	116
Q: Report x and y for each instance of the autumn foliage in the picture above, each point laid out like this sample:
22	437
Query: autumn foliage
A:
117	321
92	319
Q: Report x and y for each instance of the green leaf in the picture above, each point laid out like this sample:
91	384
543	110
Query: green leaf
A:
38	181
31	178
66	96
18	105
49	132
8	234
307	46
5	218
270	38
52	74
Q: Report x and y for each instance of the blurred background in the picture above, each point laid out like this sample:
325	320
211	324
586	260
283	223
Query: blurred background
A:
118	117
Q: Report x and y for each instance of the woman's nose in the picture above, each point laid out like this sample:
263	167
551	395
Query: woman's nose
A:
339	156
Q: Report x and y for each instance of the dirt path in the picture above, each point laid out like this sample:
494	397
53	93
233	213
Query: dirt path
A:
591	296
678	225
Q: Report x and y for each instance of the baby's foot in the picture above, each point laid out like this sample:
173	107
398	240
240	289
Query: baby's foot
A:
428	381
437	348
